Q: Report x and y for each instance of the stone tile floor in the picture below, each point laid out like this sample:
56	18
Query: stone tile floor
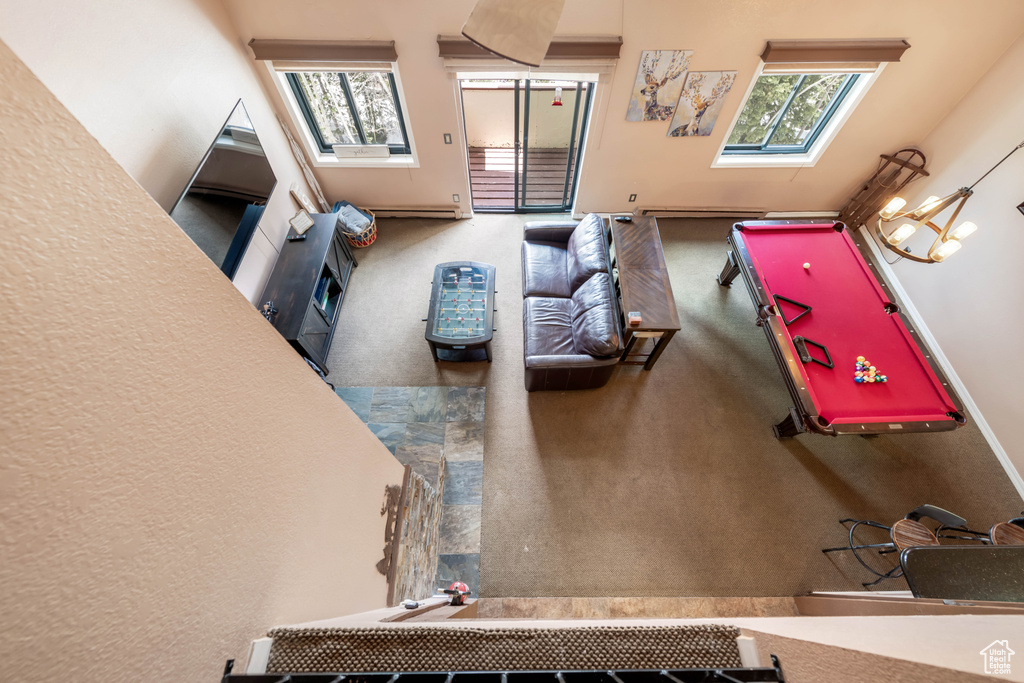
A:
419	425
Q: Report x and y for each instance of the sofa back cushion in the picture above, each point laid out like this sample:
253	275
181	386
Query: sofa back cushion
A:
595	330
586	253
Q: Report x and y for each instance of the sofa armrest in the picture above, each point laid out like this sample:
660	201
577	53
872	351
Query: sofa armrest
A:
568	360
548	231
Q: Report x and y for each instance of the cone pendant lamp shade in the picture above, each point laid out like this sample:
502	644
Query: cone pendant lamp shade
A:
520	30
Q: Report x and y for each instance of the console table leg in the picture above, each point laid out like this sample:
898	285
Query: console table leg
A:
658	348
730	271
629	346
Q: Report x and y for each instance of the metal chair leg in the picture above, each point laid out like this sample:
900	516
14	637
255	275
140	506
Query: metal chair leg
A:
887	547
888	575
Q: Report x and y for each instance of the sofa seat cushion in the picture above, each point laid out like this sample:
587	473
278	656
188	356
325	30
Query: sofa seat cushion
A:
544	272
595	330
547	326
586	252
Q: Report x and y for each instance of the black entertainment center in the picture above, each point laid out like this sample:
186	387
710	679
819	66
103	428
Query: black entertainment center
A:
304	294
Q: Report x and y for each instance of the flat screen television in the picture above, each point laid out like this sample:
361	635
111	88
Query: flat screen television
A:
222	203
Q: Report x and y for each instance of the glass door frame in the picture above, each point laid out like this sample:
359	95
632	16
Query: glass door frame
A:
572	163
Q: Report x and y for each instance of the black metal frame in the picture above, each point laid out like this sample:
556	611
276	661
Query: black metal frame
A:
771	674
314	128
805	416
943	517
469	348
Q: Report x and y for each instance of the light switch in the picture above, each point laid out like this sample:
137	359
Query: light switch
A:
447	138
455	198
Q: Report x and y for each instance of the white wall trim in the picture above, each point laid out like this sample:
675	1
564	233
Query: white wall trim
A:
911	311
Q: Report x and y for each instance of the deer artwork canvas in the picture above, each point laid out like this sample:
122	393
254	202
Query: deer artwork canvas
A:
700	102
658	83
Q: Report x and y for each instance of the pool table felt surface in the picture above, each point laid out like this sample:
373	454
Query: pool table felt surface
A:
848	316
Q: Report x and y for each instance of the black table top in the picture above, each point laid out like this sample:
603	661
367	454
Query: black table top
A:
955	572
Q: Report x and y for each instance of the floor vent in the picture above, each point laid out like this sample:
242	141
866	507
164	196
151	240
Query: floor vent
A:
702	213
426	212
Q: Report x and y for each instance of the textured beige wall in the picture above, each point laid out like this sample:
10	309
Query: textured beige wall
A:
972	302
905	103
173	479
153	82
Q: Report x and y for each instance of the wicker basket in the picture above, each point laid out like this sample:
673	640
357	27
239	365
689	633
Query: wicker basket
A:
367	236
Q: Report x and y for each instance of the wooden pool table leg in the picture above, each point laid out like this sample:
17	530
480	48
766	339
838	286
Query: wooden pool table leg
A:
790	427
730	271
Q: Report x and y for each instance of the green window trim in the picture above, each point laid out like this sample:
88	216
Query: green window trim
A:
314	129
765	147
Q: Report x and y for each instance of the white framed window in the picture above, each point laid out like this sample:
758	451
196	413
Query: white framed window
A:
792	112
348	105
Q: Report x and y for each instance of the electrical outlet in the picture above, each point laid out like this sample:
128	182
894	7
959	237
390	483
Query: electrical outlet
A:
632	197
455	198
447	138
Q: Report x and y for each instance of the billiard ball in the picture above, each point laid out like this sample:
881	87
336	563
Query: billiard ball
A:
860	359
807	266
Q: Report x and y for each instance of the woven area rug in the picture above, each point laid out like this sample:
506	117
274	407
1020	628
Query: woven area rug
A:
364	650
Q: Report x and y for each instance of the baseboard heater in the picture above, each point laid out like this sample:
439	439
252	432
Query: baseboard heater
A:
701	213
826	215
423	212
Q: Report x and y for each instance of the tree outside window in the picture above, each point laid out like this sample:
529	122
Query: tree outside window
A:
784	113
351	108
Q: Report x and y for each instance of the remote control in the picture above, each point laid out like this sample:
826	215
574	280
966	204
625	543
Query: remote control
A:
297	238
624	219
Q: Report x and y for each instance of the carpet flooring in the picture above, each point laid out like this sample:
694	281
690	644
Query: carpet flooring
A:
663	483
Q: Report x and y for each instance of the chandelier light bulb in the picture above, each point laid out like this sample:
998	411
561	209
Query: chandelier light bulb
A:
901	233
928	204
944	250
961	231
892	208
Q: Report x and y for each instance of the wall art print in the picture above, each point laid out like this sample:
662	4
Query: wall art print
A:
659	80
700	102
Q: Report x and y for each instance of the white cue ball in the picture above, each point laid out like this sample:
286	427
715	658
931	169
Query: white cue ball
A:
807	266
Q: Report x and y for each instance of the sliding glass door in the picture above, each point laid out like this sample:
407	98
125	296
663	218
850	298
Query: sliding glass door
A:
525	140
551	121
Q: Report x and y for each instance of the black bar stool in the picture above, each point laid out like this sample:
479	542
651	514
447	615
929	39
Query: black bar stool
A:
1001	533
906	533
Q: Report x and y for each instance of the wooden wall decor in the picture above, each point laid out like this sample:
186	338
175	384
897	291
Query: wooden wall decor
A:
895	171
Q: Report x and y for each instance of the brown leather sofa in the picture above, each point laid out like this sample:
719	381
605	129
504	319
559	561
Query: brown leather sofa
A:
572	329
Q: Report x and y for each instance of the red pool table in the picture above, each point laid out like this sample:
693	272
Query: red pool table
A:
829	313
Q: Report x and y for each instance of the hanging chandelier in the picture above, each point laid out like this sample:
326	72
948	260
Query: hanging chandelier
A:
947	238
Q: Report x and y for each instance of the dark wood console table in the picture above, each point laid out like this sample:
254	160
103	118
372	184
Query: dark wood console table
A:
641	280
308	285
